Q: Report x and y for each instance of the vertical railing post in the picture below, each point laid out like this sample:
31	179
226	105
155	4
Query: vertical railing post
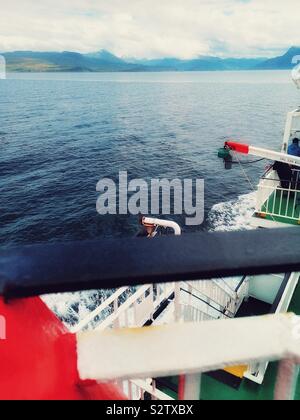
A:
153	302
189	387
116	322
177	302
130	389
287	377
154	389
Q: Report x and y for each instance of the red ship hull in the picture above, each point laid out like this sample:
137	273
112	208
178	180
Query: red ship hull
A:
38	357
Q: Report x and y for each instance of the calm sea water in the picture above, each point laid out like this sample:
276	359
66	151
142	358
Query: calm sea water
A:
61	133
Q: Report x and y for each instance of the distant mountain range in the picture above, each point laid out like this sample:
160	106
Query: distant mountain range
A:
104	61
65	61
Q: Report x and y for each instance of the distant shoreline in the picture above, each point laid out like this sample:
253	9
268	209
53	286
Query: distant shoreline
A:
106	62
140	71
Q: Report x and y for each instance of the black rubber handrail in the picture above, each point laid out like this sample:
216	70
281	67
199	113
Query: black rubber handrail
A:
108	264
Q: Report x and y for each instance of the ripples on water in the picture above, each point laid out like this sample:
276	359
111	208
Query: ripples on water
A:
61	133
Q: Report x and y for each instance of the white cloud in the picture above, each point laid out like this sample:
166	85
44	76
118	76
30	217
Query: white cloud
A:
151	28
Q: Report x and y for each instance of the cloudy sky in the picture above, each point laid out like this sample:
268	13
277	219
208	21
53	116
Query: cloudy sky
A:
151	28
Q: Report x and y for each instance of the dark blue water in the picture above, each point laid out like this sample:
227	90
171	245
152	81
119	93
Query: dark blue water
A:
61	133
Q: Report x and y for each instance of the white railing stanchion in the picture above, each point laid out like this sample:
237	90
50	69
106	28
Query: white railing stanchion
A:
287	377
274	200
192	387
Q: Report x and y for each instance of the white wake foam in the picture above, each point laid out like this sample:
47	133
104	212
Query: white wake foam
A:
232	215
73	307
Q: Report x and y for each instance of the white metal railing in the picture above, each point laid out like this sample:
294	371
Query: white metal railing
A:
257	371
190	313
242	293
277	201
192	348
212	290
195	301
137	389
198	301
132	308
127	308
266	186
220	293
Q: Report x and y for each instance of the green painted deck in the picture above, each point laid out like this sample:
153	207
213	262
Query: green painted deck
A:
212	389
284	208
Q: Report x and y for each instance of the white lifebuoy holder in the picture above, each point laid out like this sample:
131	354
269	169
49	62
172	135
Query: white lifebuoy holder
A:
149	221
